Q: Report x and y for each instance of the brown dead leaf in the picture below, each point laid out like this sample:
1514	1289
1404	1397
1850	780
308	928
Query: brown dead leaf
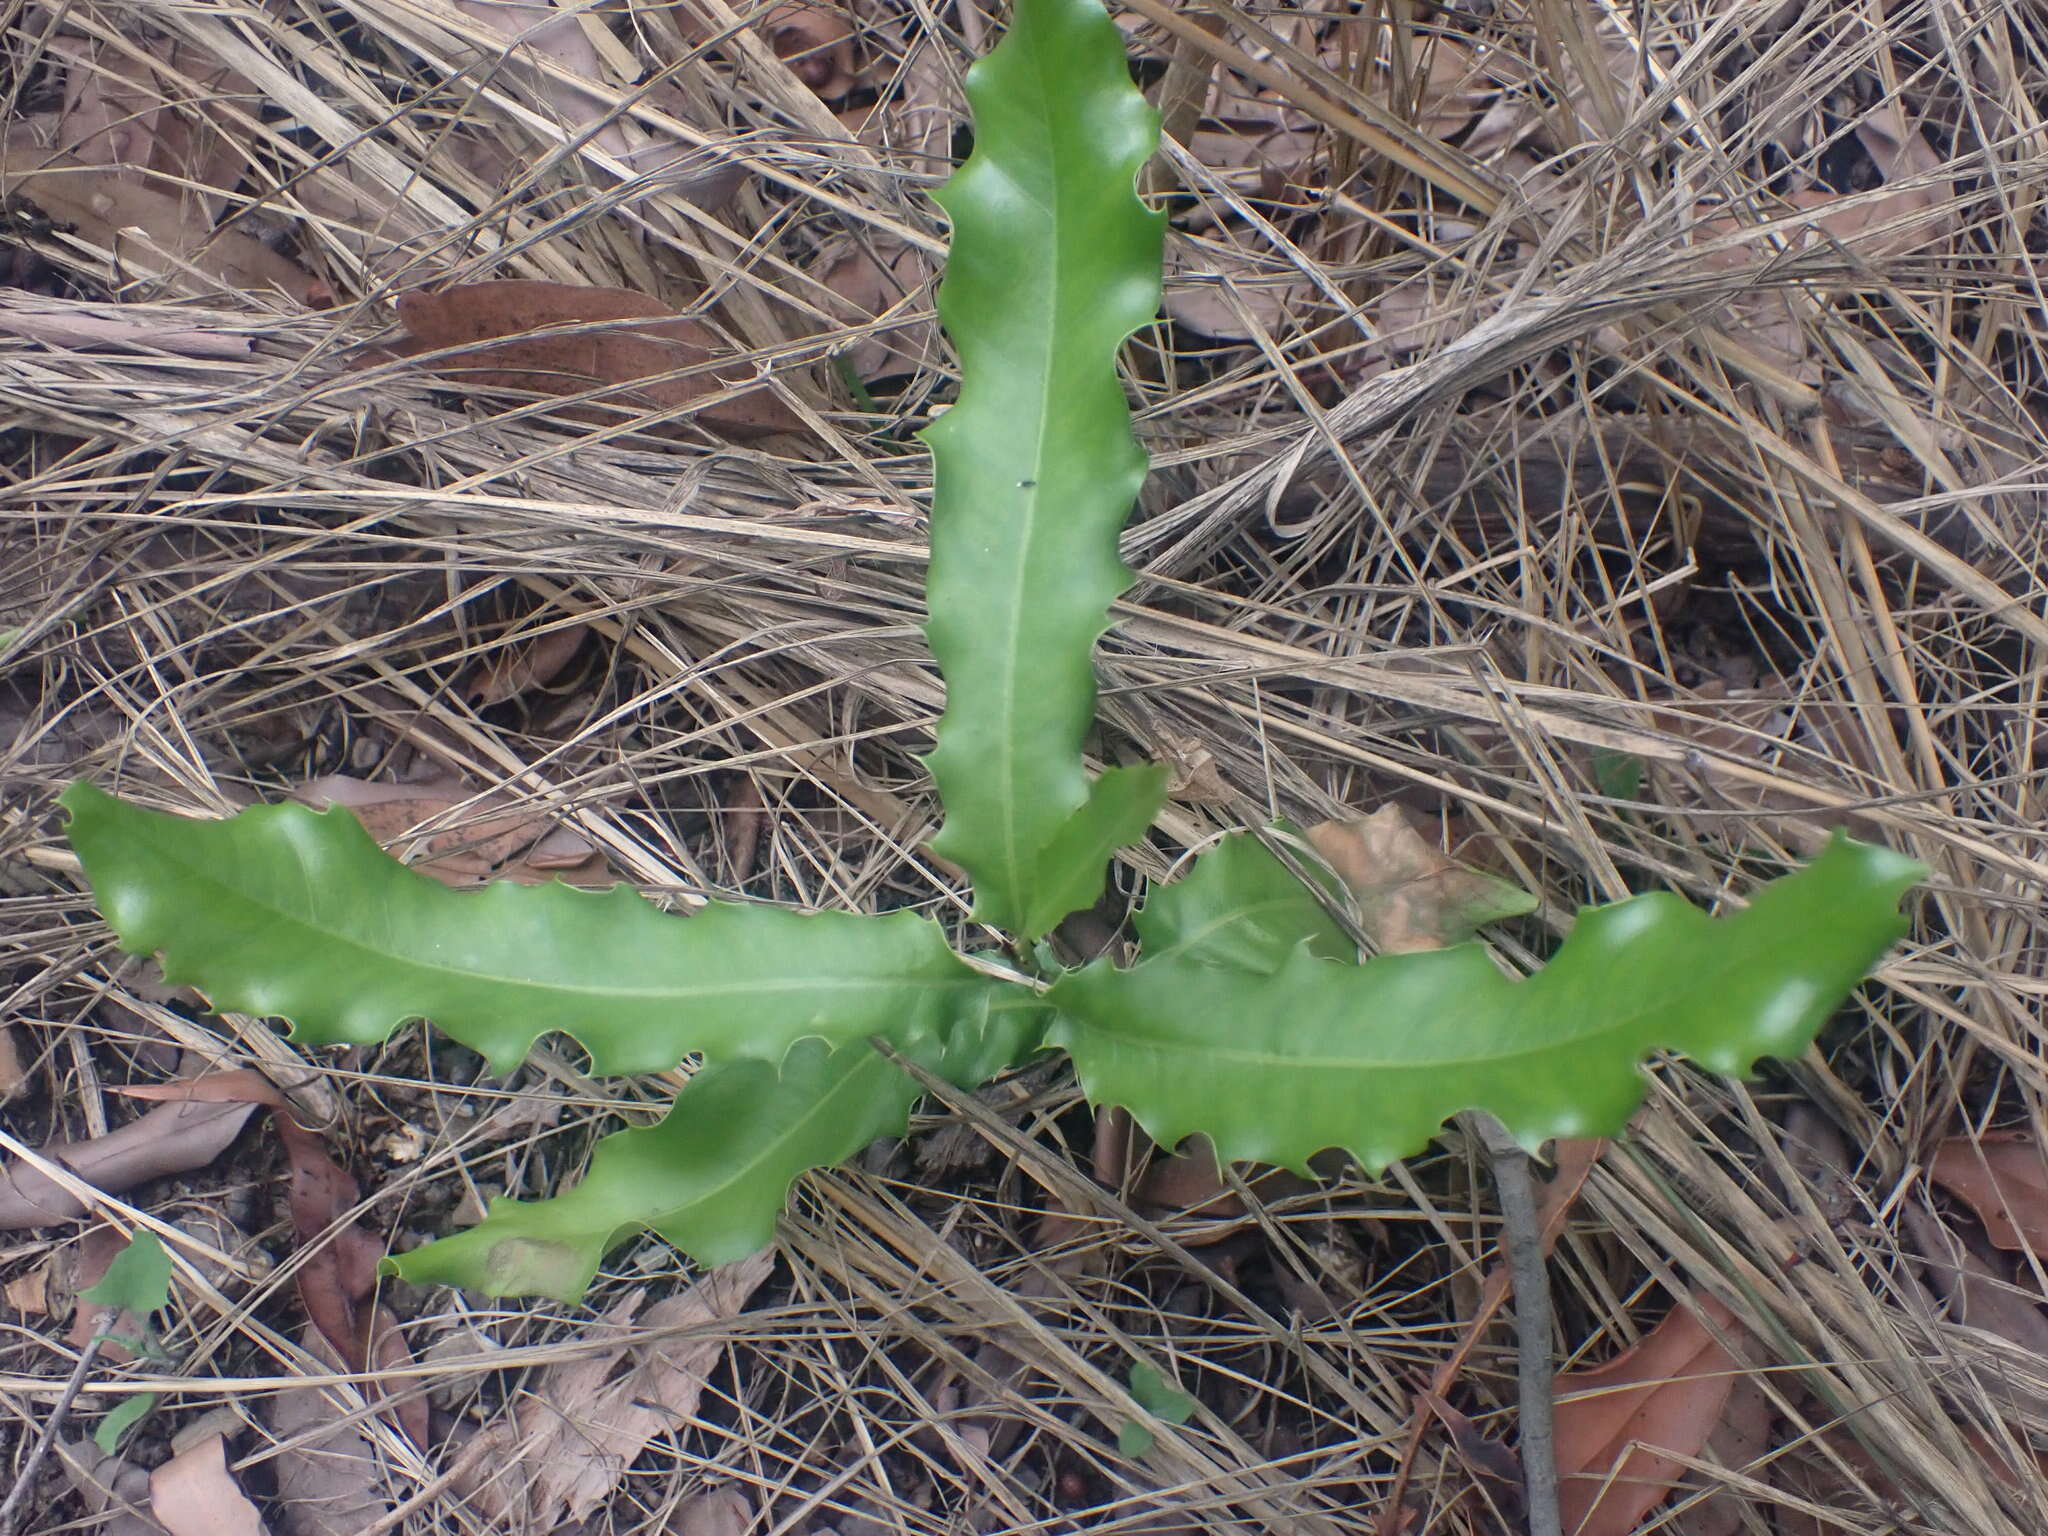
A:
337	1276
524	667
194	1494
1410	894
534	30
815	41
718	1512
891	287
1979	1294
152	114
86	1264
28	1293
484	836
1620	1425
173	1138
1495	1467
151	233
11	1074
584	1423
547	338
109	1484
329	1484
2003	1177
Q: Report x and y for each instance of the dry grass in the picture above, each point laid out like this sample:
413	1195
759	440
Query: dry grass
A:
1665	470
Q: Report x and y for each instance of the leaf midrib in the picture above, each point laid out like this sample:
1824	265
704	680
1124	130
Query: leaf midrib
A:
342	939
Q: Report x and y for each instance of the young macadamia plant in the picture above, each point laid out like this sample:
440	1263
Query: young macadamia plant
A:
1249	1016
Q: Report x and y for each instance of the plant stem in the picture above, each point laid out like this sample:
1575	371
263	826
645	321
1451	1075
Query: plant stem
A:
36	1457
1522	1242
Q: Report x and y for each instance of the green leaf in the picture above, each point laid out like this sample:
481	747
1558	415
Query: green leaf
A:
1054	261
1238	905
1135	1439
138	1280
299	914
1374	1058
114	1423
1160	1397
1617	775
713	1174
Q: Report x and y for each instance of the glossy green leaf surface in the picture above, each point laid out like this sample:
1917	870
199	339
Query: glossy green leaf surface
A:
713	1174
1053	262
285	912
1374	1058
1239	906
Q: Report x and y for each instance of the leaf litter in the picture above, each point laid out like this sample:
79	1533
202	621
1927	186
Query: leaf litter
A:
1826	209
580	1425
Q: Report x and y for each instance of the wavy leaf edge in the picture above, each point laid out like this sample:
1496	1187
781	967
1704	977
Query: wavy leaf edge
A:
283	912
1053	262
1190	1046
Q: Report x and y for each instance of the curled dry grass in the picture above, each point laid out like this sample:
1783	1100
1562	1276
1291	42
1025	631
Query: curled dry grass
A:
1668	531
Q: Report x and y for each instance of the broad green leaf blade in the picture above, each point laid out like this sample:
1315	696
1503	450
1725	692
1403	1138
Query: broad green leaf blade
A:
298	914
1238	906
1374	1058
138	1280
1054	261
712	1175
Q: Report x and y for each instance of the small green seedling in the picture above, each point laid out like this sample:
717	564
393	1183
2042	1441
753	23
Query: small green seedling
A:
137	1283
1158	1397
1248	1017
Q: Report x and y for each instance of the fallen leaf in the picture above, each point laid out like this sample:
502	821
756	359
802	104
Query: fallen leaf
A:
1979	1296
194	1494
523	666
718	1512
88	1259
1620	1425
150	233
109	1484
337	1275
583	1423
11	1074
815	41
174	1138
1410	894
547	338
888	286
29	1293
329	1484
1495	1467
2003	1177
485	837
534	30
